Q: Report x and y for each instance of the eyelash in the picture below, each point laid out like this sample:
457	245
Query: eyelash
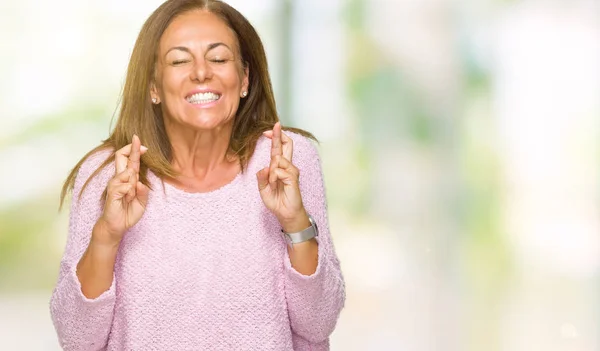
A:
178	62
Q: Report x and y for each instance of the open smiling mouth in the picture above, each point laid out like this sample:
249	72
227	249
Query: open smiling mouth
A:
203	98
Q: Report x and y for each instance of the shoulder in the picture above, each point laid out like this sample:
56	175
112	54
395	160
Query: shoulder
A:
305	153
93	163
302	144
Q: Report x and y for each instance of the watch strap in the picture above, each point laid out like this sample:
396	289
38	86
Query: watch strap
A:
304	235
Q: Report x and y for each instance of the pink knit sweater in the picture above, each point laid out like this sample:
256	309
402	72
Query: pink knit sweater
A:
202	271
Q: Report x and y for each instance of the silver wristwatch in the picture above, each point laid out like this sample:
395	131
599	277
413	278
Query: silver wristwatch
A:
304	235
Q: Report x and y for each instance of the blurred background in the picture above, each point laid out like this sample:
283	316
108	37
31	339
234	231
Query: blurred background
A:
459	140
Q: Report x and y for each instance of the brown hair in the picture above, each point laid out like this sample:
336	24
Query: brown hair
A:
256	113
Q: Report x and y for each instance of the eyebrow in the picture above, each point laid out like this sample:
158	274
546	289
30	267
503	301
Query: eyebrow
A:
210	47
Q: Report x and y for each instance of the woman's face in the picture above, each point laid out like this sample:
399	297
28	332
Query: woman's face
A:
200	78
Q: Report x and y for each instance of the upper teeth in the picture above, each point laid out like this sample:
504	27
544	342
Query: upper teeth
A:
203	98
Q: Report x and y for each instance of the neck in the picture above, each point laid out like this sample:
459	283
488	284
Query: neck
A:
197	153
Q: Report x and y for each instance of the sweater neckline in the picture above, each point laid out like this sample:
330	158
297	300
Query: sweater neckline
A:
171	189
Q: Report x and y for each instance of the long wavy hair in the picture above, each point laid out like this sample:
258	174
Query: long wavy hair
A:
138	115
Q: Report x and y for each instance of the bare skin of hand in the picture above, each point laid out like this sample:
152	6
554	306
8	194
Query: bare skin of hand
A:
126	196
279	189
126	201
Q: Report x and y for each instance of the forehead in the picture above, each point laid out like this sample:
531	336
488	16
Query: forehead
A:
197	28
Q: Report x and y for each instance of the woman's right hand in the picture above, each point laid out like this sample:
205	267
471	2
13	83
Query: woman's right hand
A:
126	196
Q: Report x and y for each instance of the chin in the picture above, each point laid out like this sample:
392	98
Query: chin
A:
208	123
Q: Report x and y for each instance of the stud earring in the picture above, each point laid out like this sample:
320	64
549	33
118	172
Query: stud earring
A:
154	101
244	94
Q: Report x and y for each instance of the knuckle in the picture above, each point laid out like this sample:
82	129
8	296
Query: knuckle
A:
110	192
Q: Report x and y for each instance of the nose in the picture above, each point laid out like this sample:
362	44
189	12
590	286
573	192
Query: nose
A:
201	71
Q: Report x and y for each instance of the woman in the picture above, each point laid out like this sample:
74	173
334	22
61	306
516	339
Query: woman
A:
177	244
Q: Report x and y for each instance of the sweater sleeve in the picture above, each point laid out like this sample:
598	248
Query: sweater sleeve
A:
82	323
315	301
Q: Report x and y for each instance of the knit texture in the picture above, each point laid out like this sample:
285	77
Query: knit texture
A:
202	271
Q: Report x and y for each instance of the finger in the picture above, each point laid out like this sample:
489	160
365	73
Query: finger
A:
142	194
287	146
272	166
122	156
131	194
126	177
120	178
262	177
286	141
275	165
119	192
134	156
282	165
133	179
286	177
286	165
276	140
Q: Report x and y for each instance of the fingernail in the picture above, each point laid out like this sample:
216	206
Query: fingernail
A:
143	148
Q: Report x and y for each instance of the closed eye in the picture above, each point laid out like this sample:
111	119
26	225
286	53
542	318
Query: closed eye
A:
179	62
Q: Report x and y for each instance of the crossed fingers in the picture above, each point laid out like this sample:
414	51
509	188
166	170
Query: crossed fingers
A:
281	144
127	165
281	166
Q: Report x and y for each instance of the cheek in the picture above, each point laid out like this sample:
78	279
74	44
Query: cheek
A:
171	82
233	77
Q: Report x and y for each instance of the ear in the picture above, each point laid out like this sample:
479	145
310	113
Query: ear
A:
154	93
246	79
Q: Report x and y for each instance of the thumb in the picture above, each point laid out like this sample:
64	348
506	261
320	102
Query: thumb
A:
262	177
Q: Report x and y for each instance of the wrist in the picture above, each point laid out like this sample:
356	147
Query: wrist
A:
296	223
102	236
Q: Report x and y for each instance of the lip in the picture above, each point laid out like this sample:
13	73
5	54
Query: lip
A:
206	90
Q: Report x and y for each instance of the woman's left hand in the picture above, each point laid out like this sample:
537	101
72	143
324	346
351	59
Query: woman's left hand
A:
279	185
